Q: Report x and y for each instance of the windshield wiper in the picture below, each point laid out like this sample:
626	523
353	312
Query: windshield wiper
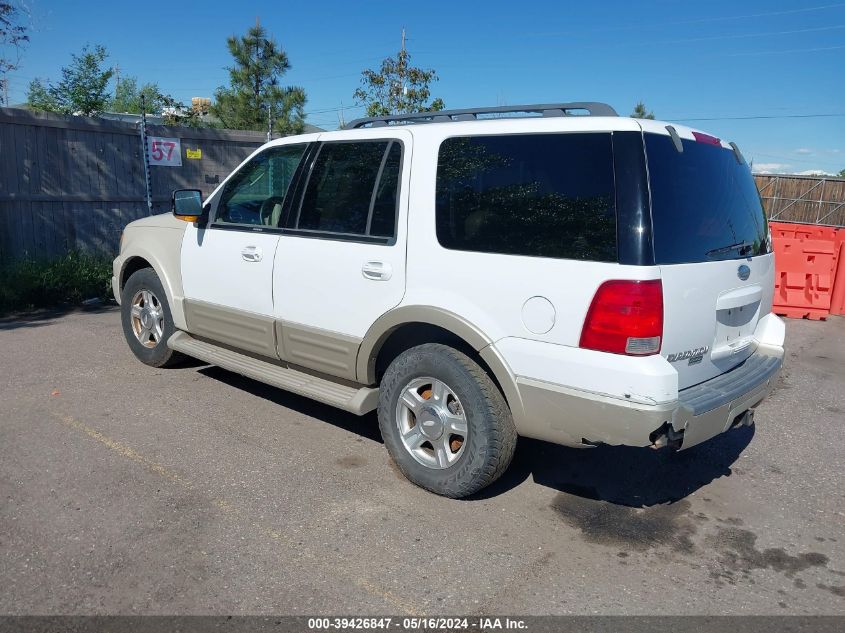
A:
743	248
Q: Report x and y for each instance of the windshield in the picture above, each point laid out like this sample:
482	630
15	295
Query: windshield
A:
704	203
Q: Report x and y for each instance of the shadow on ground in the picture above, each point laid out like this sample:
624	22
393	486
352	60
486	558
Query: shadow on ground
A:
365	426
40	318
621	475
624	475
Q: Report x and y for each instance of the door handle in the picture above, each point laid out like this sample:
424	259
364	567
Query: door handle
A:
377	271
251	254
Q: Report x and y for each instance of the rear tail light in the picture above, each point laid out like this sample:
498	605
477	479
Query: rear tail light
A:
625	317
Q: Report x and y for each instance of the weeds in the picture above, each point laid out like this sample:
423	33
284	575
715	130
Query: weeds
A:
29	284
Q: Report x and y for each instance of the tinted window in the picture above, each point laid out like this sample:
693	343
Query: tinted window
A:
353	189
255	194
544	195
704	203
383	222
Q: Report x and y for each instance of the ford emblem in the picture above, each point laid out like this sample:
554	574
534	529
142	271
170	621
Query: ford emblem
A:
743	272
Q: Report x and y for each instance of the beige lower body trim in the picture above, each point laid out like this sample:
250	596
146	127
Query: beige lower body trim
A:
566	416
243	330
177	311
311	348
321	350
506	381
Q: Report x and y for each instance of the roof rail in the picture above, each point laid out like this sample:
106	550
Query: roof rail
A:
471	114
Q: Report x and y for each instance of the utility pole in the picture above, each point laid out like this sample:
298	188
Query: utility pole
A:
341	120
116	78
402	66
148	186
5	83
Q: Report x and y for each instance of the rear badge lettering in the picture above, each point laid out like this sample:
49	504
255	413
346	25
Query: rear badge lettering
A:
694	355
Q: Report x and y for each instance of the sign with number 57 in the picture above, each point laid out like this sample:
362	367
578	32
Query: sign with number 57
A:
164	152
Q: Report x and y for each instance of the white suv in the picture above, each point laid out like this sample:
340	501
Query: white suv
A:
476	275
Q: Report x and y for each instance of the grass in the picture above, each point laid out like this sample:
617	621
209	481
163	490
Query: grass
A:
30	284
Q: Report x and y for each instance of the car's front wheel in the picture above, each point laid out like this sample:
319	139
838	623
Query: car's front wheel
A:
444	421
147	322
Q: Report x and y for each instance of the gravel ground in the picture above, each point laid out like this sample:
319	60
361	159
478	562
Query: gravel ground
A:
127	489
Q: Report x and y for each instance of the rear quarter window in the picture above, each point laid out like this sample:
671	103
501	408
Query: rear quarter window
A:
540	195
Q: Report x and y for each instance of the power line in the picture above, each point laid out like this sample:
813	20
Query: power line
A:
791	159
341	108
746	35
633	27
761	116
791	50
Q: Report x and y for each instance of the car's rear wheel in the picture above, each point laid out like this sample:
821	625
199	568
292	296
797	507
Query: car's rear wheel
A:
147	321
444	421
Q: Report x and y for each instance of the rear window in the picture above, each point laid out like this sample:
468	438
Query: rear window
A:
704	203
541	195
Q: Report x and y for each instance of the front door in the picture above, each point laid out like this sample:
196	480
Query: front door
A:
340	263
227	266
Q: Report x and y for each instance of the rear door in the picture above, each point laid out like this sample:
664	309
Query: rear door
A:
711	243
340	263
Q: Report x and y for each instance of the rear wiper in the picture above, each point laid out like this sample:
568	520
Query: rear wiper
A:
743	248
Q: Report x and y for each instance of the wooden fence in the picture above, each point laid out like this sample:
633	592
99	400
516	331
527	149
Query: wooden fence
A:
807	199
70	183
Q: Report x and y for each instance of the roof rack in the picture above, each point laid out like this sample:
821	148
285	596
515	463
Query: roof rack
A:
471	114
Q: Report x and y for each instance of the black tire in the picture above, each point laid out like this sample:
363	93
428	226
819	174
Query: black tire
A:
158	354
491	436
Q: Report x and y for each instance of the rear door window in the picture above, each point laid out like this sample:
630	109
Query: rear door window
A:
704	203
353	189
541	195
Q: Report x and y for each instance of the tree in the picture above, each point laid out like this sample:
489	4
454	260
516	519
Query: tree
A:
254	91
82	90
640	112
842	174
13	37
38	97
397	88
127	97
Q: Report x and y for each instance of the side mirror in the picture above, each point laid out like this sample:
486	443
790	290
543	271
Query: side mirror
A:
187	204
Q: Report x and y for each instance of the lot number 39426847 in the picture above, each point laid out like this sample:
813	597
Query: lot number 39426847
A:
164	151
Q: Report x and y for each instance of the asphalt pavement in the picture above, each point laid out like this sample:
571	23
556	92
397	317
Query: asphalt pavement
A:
127	489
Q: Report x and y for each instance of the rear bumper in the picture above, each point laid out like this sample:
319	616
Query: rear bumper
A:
573	417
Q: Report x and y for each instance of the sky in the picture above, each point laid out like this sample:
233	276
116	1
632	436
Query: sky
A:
768	75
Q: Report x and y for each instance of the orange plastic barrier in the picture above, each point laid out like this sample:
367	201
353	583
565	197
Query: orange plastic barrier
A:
802	231
806	260
837	297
